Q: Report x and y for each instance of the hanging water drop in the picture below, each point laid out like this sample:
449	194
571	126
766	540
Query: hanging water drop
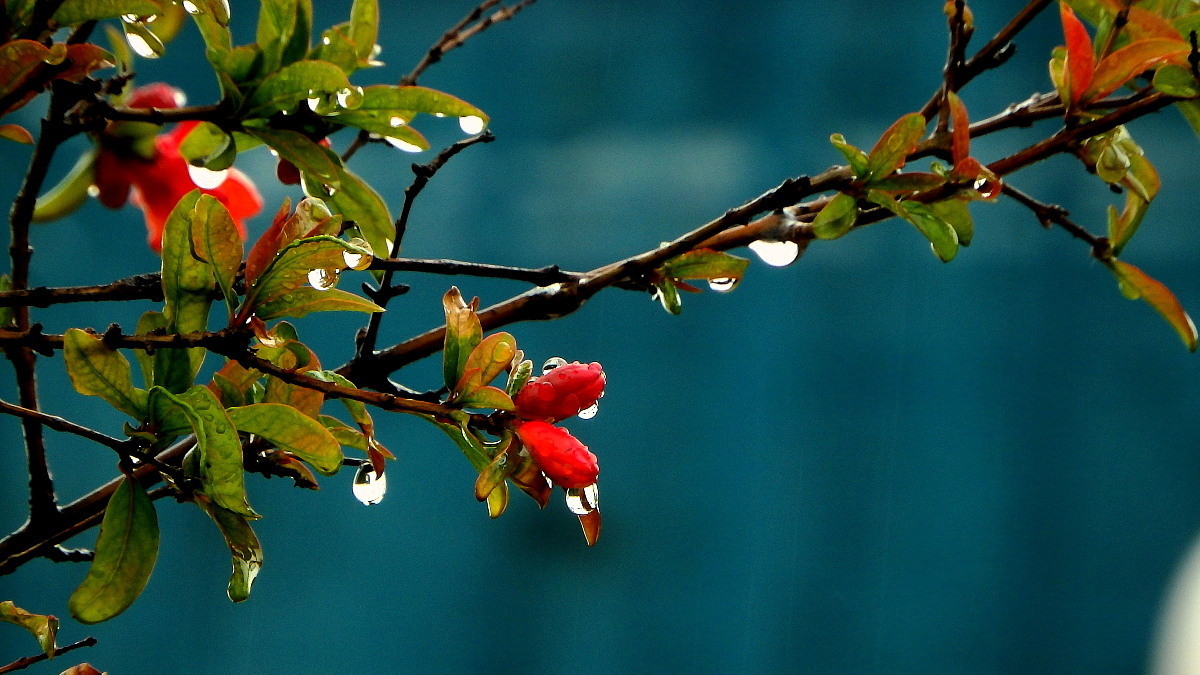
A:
402	145
350	97
396	122
589	412
471	124
368	486
584	500
439	114
722	284
313	103
326	41
322	279
191	8
552	363
140	46
130	18
776	253
206	179
356	261
93	190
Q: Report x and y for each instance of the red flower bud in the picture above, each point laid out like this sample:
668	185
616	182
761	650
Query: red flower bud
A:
560	455
156	95
561	393
287	173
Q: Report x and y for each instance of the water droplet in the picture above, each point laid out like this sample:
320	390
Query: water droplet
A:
397	122
389	244
206	179
584	500
776	253
403	145
589	412
326	41
439	114
270	340
979	183
130	18
151	18
313	103
368	486
356	261
552	363
322	279
471	124
191	8
140	47
350	97
93	190
723	284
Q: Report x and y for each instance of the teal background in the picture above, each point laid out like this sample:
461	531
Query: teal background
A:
866	462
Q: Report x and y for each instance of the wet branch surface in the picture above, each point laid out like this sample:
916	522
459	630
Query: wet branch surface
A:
782	213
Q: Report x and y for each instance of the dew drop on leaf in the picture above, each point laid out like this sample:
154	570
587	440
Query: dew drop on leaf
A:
723	284
552	363
139	45
368	486
93	190
402	145
396	122
584	500
191	8
322	279
356	261
206	179
589	412
471	124
776	253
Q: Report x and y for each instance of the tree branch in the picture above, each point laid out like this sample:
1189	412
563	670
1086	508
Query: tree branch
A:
27	661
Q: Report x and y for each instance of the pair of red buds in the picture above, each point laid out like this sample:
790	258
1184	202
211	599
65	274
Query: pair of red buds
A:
564	392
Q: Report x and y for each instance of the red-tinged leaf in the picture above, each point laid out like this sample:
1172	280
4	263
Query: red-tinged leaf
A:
1081	61
960	125
16	133
84	59
1128	62
21	60
44	627
914	181
590	522
264	250
1137	284
1143	24
81	669
895	145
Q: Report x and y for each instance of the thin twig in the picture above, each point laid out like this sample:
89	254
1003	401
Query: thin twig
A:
366	345
141	287
1053	214
27	661
459	33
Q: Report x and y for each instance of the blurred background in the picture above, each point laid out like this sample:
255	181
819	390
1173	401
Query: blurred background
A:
868	461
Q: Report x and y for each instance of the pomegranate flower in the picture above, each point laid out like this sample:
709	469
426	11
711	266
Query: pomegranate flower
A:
558	454
561	393
155	178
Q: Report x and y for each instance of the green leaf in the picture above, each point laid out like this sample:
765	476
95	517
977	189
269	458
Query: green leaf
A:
210	146
291	267
492	356
308	156
487	397
705	263
356	408
43	627
187	292
220	448
956	213
667	294
1137	284
303	301
243	545
70	193
297	46
893	148
467	442
519	376
75	12
1123	225
276	21
98	370
166	415
382	103
296	357
7	314
909	182
1176	81
836	218
941	235
296	82
126	551
217	241
463	333
364	26
857	159
291	430
356	201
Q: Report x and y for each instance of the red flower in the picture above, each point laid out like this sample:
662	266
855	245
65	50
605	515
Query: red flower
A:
561	393
160	180
560	455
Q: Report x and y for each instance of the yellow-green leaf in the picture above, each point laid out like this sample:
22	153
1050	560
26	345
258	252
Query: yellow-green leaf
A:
294	263
836	218
304	301
488	359
463	333
126	550
1137	284
290	430
243	545
221	473
356	201
857	159
217	241
42	626
894	146
284	89
300	150
98	370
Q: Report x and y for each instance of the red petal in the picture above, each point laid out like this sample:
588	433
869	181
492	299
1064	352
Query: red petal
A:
1081	61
